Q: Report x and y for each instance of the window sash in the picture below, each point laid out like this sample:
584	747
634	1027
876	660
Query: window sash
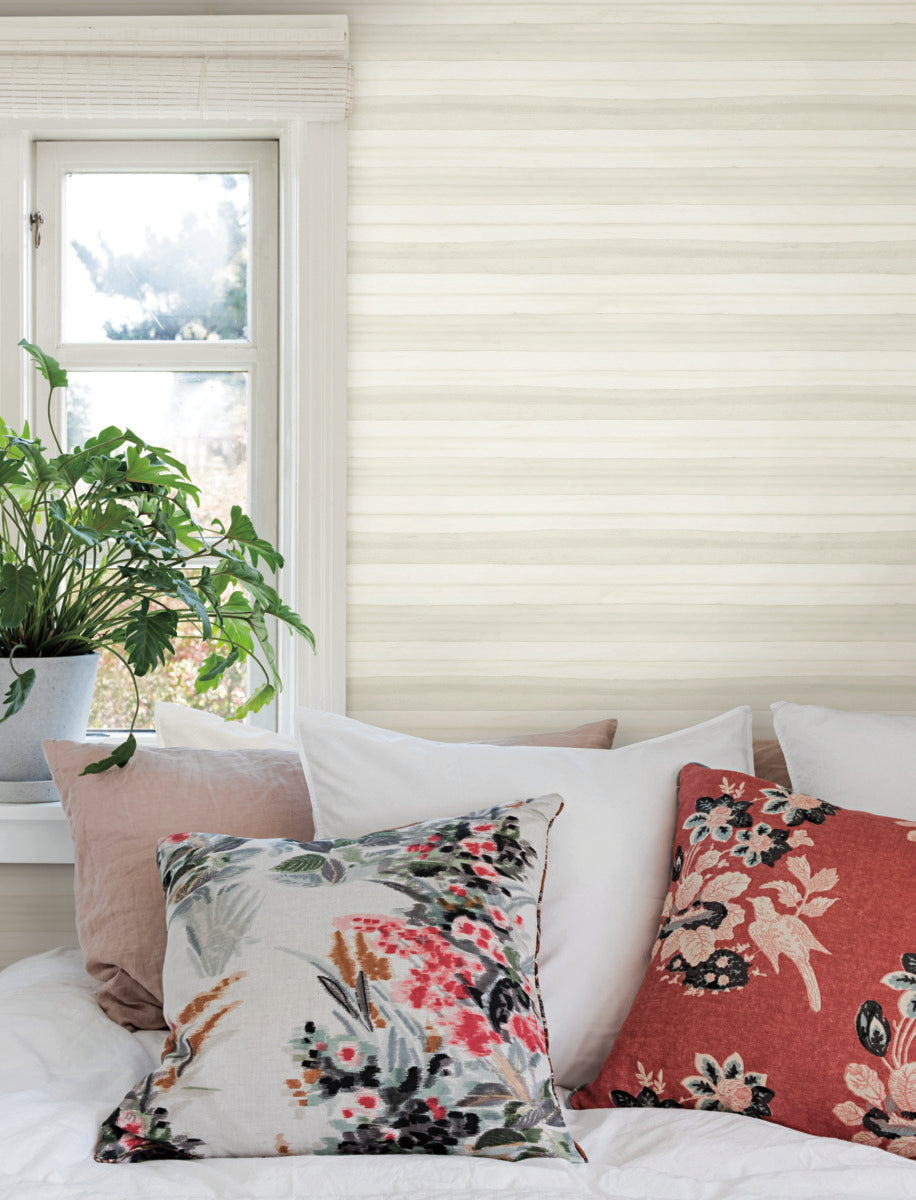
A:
258	356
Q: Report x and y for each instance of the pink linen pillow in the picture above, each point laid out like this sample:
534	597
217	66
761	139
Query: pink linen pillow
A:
596	735
770	762
116	820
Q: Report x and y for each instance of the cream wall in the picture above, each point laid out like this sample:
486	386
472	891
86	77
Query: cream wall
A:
632	397
631	388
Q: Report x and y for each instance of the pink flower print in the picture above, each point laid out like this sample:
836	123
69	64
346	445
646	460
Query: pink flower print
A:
487	827
474	1033
349	1054
734	1095
457	890
347	1113
902	1087
798	837
484	870
367	1100
497	915
130	1122
528	1030
435	1108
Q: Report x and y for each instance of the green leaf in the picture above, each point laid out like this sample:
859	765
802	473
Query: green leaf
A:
71	466
242	530
499	1137
212	668
44	472
58	514
17	693
147	637
256	701
302	862
259	627
10	471
112	517
49	367
293	620
119	757
18	593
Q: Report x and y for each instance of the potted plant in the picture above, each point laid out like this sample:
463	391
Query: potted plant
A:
99	549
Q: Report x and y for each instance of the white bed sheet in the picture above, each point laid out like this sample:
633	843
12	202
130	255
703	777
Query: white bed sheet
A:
64	1066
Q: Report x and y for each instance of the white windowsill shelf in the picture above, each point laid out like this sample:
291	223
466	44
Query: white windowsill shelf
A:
34	833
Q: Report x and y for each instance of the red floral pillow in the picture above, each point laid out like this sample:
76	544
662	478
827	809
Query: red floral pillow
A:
782	983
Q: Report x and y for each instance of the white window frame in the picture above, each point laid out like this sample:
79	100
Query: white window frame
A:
312	252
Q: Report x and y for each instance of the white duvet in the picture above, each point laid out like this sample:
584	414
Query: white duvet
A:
64	1066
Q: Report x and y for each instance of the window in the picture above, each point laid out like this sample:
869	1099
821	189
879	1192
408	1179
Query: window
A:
156	287
285	79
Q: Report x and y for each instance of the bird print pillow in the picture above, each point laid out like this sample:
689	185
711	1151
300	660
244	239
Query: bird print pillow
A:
782	981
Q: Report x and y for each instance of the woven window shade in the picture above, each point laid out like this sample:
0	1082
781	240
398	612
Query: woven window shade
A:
210	67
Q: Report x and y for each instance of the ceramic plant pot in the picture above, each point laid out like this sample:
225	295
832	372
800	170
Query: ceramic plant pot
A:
57	707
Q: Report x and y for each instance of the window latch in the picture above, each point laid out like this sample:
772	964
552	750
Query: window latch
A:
36	220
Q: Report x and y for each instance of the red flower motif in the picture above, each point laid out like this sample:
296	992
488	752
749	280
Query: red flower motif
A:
528	1031
474	1033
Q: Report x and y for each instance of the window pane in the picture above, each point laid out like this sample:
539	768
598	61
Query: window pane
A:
113	699
201	417
156	257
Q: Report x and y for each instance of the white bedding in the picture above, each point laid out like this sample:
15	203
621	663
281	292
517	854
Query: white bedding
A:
64	1066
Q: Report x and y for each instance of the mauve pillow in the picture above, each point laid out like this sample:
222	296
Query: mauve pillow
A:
116	820
180	725
770	762
597	735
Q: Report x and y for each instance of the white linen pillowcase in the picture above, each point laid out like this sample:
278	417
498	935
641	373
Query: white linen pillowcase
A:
178	725
608	866
863	760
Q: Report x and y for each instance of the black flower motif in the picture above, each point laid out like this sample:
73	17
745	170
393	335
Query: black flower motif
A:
762	844
645	1098
413	1131
795	808
729	1088
717	818
722	971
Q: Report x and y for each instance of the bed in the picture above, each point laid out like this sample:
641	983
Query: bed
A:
64	1064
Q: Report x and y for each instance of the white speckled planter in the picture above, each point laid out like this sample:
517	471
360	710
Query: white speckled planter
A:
57	707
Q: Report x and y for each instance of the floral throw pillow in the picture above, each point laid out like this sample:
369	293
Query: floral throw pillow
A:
782	982
369	996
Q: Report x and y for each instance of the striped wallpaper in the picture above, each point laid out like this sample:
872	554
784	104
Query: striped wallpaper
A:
632	338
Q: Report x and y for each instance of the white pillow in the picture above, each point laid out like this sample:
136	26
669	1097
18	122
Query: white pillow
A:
862	760
177	725
608	861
